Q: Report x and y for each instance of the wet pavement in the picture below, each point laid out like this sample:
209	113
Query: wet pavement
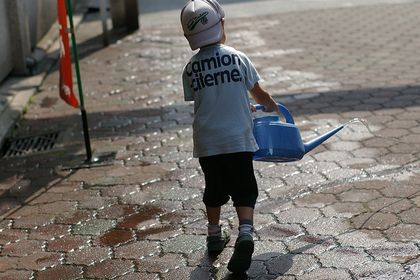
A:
350	209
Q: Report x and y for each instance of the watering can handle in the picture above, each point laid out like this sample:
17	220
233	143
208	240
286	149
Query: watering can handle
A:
282	109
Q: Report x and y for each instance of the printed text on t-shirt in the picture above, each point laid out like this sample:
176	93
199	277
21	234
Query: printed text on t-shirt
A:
201	78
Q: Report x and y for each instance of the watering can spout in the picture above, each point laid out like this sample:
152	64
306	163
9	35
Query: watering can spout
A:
309	146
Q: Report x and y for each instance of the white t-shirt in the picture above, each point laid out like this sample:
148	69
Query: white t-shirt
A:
218	79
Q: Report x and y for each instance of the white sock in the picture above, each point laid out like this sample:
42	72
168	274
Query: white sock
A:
246	229
214	230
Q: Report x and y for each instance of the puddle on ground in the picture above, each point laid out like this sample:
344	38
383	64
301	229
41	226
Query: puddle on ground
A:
127	229
142	234
116	237
145	213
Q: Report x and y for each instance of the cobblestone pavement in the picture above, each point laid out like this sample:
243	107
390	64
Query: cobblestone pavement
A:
349	210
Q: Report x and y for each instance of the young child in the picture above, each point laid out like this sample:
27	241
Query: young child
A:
218	79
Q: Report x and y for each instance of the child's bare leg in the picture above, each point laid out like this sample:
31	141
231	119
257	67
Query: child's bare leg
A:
213	215
245	213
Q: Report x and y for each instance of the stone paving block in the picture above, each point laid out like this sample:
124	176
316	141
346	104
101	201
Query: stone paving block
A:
165	151
109	269
8	236
47	198
160	264
362	239
378	270
411	216
33	221
285	192
399	190
116	211
293	264
67	243
393	132
114	237
416	200
49	232
358	163
298	215
87	255
390	205
344	174
181	217
375	220
181	194
317	200
61	272
96	202
184	244
197	273
400	159
344	209
403	232
185	273
93	227
160	232
404	148
397	252
279	232
120	190
366	152
16	275
22	248
80	194
326	274
344	257
305	179
138	197
372	184
312	166
139	276
328	226
39	261
73	218
7	263
343	146
359	195
137	250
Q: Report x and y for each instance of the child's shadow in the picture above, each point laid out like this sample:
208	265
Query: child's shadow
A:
272	265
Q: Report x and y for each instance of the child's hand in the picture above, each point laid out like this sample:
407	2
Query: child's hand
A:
264	98
271	107
253	108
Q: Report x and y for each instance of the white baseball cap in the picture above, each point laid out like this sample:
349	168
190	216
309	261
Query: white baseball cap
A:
202	22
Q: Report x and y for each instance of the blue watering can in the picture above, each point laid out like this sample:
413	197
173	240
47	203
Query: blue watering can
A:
281	141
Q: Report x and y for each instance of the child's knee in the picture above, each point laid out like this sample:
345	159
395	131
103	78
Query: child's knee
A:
214	200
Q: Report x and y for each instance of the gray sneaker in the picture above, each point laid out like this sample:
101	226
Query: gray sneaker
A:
242	256
216	244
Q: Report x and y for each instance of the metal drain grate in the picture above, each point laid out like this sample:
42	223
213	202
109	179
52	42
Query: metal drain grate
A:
15	147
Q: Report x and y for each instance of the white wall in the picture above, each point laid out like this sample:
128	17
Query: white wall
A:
41	14
6	62
23	23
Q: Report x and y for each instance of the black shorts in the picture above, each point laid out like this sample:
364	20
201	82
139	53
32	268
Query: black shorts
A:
229	176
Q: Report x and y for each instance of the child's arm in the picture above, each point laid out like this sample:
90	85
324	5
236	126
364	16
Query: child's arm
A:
262	97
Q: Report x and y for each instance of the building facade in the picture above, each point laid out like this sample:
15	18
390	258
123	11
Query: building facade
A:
22	25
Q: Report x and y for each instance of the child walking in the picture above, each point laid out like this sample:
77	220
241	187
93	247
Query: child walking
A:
218	78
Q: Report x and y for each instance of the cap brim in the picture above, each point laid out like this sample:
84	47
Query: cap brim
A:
206	37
